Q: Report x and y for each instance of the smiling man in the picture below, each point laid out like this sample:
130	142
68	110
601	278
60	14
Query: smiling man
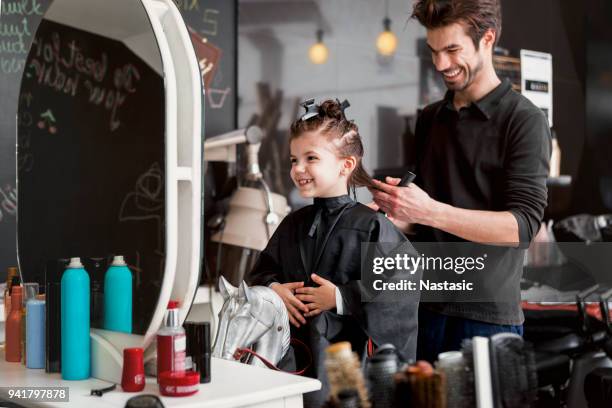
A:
482	161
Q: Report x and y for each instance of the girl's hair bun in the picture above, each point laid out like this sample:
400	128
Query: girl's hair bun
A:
332	109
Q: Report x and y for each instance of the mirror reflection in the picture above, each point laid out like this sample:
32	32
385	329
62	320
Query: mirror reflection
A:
91	152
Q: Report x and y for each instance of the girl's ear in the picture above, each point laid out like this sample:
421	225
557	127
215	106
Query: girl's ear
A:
349	165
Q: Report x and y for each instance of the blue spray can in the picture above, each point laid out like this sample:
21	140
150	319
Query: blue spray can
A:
118	297
76	356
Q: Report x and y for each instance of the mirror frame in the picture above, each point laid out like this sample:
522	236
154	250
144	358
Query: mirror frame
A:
183	98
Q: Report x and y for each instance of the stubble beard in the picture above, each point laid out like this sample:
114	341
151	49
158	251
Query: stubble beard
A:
470	74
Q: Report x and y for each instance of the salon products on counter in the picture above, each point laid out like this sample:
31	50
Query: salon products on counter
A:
179	384
171	343
380	369
76	361
349	399
53	271
199	348
344	372
30	291
459	385
133	377
513	371
118	297
13	326
420	386
12	273
35	329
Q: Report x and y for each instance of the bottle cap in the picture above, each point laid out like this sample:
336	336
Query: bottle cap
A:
172	318
384	353
75	263
339	349
11	272
133	377
449	358
118	261
30	290
16	281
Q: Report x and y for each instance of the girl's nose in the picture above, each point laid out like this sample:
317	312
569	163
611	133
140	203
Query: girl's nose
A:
299	168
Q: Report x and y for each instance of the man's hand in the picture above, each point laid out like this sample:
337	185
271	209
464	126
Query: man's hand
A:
411	205
294	306
319	299
404	205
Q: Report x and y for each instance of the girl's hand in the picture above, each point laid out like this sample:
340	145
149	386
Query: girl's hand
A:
318	299
294	306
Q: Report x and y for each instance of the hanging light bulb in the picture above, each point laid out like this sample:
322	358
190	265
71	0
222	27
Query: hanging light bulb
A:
386	43
318	52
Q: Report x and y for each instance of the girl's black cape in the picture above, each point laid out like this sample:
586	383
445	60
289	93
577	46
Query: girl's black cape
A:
326	238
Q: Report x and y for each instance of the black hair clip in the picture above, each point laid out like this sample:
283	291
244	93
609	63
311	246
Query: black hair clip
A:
343	105
100	391
312	109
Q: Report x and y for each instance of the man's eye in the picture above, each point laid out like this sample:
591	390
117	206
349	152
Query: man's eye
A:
311	158
293	161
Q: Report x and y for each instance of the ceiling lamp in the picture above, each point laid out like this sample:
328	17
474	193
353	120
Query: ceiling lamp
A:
386	43
318	52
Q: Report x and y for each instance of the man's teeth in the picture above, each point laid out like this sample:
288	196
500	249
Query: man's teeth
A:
304	182
452	74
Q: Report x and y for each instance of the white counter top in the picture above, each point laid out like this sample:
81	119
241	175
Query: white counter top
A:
233	385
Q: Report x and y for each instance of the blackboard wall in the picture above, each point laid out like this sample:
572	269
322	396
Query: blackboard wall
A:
213	23
18	24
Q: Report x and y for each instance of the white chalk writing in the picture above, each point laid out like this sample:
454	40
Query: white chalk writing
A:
15	33
64	67
8	201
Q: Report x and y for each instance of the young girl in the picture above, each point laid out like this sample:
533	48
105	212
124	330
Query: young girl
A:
313	260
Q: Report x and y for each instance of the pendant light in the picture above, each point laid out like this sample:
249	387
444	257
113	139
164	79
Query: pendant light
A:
318	52
386	43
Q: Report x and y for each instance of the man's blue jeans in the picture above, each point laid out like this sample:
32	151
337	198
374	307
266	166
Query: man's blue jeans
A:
439	333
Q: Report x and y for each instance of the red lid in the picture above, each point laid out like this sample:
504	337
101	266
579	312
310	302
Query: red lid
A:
179	384
179	378
173	304
133	352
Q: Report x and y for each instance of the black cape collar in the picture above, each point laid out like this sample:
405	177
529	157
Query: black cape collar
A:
332	203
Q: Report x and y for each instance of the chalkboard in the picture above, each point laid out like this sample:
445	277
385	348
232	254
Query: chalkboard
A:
91	158
213	28
18	22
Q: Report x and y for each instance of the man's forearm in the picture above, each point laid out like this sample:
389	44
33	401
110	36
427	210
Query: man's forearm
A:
487	227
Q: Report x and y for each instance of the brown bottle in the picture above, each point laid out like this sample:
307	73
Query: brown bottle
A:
13	327
12	272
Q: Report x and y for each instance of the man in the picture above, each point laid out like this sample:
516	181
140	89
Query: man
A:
482	162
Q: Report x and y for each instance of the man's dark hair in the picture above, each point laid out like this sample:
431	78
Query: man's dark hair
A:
477	15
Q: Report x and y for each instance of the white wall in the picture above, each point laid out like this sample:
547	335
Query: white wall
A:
274	37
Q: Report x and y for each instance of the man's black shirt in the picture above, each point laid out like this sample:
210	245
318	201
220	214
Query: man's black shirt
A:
492	155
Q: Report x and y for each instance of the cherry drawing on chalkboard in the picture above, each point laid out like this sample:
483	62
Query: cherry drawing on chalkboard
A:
47	120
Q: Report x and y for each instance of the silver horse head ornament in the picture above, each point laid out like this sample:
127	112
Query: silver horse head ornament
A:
252	317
